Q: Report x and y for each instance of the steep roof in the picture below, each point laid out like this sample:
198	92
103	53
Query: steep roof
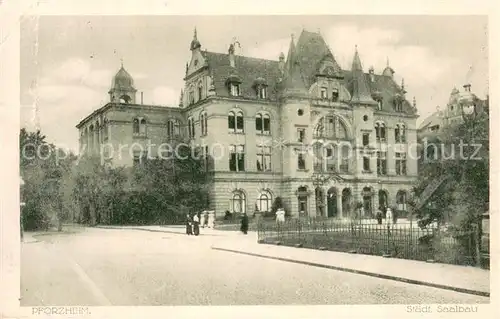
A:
247	69
310	50
361	93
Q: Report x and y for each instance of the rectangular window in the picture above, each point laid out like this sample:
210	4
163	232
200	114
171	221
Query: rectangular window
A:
366	163
400	164
324	94
301	161
331	160
232	158
301	135
381	163
263	158
262	92
366	139
330	127
241	158
235	89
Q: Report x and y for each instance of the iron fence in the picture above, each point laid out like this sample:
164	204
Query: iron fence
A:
401	240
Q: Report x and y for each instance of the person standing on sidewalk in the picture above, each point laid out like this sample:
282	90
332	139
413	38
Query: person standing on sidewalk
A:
196	224
388	216
189	229
244	223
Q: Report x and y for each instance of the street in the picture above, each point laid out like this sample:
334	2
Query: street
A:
109	267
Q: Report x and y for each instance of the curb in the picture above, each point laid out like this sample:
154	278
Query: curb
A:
151	230
360	272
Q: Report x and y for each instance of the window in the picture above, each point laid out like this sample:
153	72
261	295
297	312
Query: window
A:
191	127
301	135
400	164
264	202
238	202
400	133
318	157
206	157
366	163
263	158
401	200
235	122
262	92
200	91
142	127
235	89
381	163
173	128
330	127
135	126
301	161
136	160
203	123
105	130
344	164
335	95
191	97
379	104
231	121
380	132
331	159
324	94
237	158
300	112
263	124
366	139
398	105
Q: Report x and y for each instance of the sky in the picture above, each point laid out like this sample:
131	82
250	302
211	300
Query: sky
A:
67	62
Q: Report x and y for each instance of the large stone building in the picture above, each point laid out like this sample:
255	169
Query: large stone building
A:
452	114
300	127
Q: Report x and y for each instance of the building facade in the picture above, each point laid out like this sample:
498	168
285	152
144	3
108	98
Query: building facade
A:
299	127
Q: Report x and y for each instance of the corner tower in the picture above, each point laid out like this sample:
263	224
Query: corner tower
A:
122	88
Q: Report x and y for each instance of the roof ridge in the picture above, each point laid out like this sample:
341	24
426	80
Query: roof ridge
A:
243	56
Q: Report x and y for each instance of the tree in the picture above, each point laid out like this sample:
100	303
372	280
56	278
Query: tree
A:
465	195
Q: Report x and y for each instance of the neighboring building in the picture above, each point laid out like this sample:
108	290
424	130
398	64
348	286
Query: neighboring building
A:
264	121
452	114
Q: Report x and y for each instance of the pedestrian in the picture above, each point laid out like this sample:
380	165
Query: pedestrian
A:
379	215
244	223
196	225
205	223
189	229
395	217
280	215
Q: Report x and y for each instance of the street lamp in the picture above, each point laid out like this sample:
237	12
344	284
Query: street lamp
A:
22	204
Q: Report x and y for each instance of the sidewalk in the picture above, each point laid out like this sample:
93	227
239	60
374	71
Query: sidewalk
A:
173	229
457	278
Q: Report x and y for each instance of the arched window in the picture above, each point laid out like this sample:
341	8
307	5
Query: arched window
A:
125	99
380	131
135	126
382	200
330	127
143	127
401	199
400	133
238	202
235	122
264	201
263	123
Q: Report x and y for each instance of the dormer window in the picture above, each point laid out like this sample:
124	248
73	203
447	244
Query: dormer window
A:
235	89
262	92
324	94
335	95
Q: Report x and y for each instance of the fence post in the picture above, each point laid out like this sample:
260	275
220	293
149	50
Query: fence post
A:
388	249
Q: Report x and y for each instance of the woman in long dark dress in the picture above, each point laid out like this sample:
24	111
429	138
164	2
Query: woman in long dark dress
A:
196	224
189	227
244	223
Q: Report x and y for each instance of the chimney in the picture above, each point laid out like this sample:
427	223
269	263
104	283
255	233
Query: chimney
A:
231	55
142	97
467	87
